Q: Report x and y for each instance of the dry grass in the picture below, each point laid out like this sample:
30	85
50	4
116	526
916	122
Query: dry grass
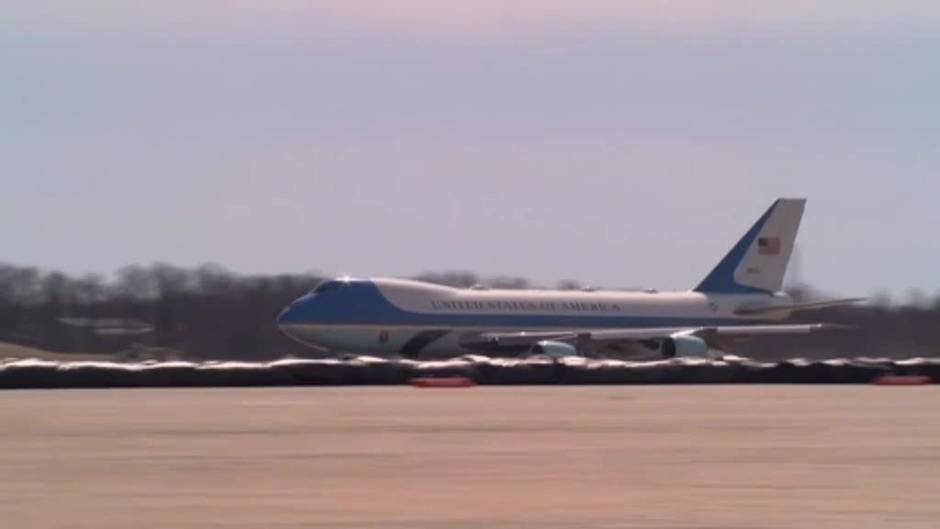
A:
10	350
645	457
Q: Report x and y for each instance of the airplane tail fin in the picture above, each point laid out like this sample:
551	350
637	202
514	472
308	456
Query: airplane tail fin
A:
758	262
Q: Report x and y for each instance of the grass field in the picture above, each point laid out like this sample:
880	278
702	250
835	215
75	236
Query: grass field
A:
597	457
10	350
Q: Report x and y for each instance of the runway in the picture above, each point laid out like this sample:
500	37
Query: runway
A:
651	457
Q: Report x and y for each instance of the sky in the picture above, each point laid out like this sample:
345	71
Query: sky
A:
614	143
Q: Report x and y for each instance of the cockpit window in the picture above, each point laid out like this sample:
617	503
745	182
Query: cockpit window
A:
326	286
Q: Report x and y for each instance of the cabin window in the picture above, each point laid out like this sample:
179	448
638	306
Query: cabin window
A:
383	336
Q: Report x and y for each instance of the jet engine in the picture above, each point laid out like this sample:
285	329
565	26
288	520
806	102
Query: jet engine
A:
553	349
684	345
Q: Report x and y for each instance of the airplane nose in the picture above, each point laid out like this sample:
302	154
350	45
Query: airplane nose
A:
289	314
283	316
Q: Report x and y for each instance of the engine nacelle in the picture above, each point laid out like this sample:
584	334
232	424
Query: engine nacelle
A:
684	345
553	349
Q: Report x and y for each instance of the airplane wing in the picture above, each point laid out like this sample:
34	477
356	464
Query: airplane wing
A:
712	336
640	334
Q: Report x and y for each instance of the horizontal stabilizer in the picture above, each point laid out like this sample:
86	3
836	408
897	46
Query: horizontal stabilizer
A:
766	310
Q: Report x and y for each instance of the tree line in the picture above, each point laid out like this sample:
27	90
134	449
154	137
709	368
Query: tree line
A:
208	312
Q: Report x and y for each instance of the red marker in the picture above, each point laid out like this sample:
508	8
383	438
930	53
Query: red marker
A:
902	380
442	382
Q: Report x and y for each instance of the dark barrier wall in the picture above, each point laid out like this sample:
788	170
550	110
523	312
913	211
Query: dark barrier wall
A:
375	371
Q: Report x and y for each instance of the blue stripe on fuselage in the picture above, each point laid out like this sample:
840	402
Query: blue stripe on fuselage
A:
359	302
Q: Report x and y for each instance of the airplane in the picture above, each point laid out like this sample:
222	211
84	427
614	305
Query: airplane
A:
738	300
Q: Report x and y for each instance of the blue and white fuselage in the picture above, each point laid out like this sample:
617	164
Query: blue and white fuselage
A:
411	318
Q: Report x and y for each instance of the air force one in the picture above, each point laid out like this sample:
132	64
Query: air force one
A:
398	317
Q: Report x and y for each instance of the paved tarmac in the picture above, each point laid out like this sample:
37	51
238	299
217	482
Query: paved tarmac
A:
652	457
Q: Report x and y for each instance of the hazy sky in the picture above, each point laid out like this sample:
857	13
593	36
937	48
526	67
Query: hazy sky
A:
616	143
